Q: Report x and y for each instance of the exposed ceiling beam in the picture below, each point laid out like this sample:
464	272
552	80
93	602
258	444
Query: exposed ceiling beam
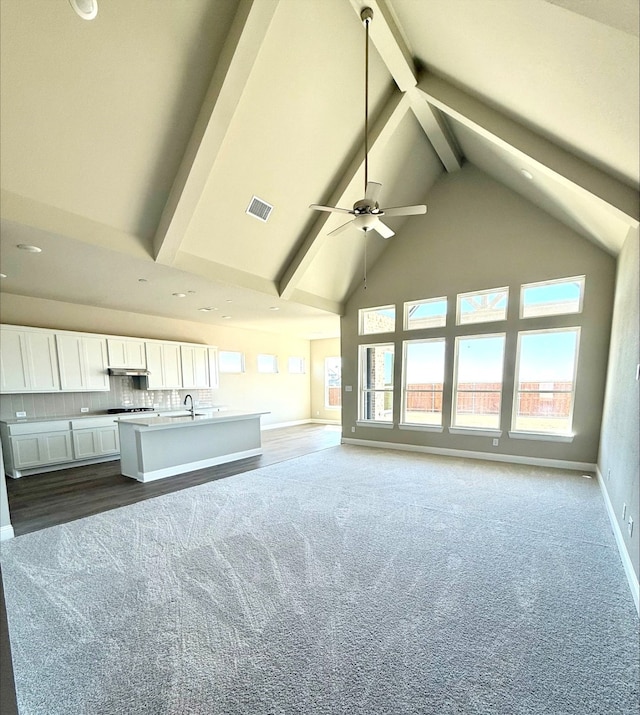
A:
247	33
388	41
521	141
437	131
382	130
396	55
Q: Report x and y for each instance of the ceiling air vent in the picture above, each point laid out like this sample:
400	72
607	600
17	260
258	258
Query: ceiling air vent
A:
259	209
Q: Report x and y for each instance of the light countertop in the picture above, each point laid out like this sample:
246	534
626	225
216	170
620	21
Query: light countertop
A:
155	423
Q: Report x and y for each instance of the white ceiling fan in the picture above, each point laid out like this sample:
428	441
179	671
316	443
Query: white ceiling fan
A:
367	212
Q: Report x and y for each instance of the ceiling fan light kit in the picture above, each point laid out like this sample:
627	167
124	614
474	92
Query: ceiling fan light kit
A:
367	212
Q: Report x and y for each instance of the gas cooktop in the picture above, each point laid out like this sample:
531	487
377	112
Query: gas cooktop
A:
121	410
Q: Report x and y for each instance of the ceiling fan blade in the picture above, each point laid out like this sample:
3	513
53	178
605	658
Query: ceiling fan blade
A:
373	191
332	209
383	229
405	211
340	229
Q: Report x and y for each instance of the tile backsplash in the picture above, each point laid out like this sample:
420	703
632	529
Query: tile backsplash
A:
121	394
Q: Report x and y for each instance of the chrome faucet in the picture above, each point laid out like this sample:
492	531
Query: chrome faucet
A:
192	408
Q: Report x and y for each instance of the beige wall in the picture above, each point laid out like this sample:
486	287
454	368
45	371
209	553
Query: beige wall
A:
478	234
620	441
287	397
321	349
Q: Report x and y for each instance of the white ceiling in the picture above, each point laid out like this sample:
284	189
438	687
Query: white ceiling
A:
132	145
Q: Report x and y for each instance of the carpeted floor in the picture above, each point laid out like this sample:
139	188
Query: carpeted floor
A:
348	581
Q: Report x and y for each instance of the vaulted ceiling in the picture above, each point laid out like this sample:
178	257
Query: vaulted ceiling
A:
132	144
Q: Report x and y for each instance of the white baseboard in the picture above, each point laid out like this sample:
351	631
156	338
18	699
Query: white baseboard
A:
6	532
325	422
467	454
277	425
622	548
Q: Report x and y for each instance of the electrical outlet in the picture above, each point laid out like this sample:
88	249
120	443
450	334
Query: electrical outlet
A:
21	414
630	526
84	409
495	442
624	512
353	429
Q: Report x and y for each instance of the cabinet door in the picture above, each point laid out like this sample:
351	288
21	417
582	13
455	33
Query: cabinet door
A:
56	447
155	380
14	366
43	361
94	367
35	450
195	366
26	450
70	362
172	369
126	353
212	356
85	443
107	438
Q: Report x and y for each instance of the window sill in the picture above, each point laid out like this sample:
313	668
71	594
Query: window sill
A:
542	436
474	432
372	423
421	428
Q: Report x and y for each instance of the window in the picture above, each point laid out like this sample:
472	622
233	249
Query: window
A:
332	383
377	320
420	314
296	365
545	380
423	378
552	297
478	381
229	361
267	363
376	383
482	306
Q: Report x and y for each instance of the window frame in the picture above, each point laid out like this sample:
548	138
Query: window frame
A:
363	392
327	405
414	303
471	429
301	364
553	281
466	294
427	426
539	434
362	312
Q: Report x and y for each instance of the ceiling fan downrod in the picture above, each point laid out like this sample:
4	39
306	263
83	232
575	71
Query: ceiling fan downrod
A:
366	15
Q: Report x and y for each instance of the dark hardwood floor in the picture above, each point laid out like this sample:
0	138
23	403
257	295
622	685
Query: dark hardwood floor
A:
42	500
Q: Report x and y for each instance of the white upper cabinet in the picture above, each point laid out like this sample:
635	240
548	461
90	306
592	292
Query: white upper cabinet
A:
28	361
83	363
195	366
212	356
164	365
126	353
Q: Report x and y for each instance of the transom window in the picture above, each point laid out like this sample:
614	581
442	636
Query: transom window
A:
377	320
230	361
423	381
545	381
376	383
420	314
296	365
482	306
267	363
557	297
332	383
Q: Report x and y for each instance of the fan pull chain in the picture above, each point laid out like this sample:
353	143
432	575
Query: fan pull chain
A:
365	260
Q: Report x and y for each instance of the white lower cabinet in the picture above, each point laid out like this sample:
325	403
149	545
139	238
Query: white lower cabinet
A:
42	449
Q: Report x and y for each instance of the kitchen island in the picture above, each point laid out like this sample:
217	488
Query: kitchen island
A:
157	447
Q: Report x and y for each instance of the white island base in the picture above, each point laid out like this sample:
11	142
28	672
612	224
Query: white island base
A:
157	447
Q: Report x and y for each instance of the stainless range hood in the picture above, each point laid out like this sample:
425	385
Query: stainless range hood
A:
128	371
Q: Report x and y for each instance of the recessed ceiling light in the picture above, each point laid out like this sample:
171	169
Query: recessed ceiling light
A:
226	317
191	292
179	295
29	249
274	307
142	280
86	9
228	300
206	310
526	174
3	275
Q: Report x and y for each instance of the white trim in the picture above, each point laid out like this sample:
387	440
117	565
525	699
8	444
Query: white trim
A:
622	548
541	436
193	466
475	432
6	532
468	454
374	423
421	428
